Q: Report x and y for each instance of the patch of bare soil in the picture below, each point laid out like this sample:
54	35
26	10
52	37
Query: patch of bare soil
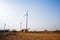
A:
29	36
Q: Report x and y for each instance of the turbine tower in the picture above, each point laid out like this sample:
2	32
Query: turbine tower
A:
20	25
27	19
4	27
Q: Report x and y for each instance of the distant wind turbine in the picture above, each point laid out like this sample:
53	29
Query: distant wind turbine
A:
26	19
4	27
20	25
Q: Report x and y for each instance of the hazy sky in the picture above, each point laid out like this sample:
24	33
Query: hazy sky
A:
43	14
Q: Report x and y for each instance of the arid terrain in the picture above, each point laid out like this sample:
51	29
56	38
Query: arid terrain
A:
29	36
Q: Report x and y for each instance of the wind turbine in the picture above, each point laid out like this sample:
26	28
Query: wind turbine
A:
4	27
26	20
20	25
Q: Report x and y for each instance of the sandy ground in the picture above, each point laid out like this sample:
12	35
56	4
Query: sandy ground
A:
29	36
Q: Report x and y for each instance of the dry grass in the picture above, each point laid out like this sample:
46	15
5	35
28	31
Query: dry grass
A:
29	36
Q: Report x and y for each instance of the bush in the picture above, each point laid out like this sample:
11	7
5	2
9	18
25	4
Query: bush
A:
14	31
